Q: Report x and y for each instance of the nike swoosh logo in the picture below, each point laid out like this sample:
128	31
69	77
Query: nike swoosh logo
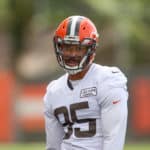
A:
115	72
115	102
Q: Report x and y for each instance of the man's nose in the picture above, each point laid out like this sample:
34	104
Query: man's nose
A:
73	52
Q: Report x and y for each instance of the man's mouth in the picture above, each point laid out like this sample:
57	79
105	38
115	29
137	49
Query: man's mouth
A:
72	62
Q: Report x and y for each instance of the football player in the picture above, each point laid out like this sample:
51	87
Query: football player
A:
86	108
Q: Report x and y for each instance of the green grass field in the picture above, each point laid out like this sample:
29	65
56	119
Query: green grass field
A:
41	146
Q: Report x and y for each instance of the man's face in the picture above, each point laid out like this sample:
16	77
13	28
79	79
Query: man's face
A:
73	54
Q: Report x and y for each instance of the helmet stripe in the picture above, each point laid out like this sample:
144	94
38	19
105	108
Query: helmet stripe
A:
69	26
77	26
73	25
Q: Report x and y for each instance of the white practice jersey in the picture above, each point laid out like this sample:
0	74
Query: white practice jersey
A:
92	116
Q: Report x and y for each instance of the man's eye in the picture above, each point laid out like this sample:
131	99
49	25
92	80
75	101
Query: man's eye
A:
83	48
78	48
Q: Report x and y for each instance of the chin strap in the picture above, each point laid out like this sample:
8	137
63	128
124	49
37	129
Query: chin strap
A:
69	84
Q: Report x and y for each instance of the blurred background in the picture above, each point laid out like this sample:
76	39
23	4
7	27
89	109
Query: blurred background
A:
28	63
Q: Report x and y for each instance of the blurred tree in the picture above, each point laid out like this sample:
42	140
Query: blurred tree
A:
132	20
4	14
21	14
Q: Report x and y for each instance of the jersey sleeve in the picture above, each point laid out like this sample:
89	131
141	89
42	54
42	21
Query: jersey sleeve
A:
113	96
53	129
114	119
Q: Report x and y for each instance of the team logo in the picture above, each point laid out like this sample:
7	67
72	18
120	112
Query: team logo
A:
92	91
